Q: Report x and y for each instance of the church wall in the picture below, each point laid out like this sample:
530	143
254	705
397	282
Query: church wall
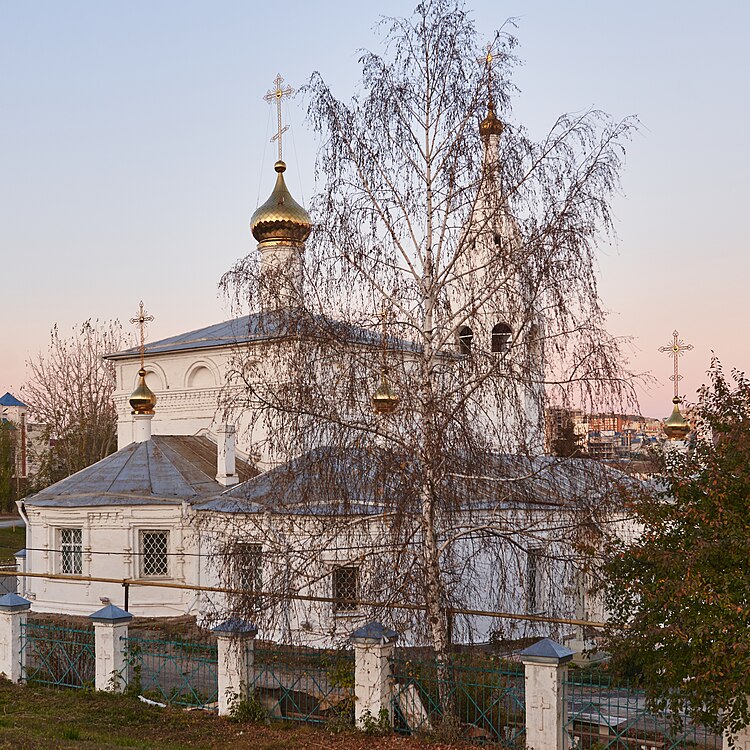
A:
187	387
111	546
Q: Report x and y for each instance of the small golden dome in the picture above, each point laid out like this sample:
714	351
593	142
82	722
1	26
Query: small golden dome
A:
384	400
142	399
281	220
676	427
491	125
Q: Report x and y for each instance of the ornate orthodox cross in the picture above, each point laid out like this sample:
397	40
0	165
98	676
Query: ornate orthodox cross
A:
278	94
141	321
675	349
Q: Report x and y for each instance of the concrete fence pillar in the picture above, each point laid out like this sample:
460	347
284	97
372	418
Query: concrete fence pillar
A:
14	611
546	669
373	648
110	644
236	642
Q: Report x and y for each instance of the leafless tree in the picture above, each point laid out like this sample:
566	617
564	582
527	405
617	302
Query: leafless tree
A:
452	264
69	389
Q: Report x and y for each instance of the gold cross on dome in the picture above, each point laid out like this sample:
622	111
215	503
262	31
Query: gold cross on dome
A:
278	94
487	59
675	349
141	321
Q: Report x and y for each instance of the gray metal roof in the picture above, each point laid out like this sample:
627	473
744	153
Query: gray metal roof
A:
264	326
355	481
163	470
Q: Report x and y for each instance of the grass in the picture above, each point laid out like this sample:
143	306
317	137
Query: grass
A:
39	718
11	540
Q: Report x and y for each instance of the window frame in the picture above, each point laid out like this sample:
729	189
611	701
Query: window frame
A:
73	552
500	338
251	551
351	605
533	582
143	553
465	340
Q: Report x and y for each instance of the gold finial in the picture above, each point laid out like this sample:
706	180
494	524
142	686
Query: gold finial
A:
141	321
142	399
384	400
278	93
676	427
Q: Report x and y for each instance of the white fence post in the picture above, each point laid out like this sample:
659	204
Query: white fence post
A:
110	645
373	648
236	646
546	669
13	615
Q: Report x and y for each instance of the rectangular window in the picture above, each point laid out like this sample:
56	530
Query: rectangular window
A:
154	554
70	551
345	588
248	567
533	580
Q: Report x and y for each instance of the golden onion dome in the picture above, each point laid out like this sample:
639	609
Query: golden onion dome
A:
384	400
142	399
676	427
491	125
280	220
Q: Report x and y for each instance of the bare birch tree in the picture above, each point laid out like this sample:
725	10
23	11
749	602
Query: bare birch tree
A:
451	266
69	389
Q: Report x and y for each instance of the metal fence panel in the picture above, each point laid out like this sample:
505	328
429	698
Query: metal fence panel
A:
487	699
305	684
606	715
59	656
182	673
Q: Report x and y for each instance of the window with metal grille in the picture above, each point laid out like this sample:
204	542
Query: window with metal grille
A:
154	553
70	551
345	588
248	567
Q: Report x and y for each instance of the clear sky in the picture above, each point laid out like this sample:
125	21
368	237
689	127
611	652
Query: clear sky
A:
134	148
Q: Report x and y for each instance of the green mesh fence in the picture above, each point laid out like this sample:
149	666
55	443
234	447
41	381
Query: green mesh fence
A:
304	684
605	715
58	656
484	697
182	673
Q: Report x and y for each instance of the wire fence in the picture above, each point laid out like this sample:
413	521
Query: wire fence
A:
606	715
482	694
58	656
180	673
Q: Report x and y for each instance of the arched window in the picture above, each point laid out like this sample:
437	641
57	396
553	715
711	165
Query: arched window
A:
501	336
465	337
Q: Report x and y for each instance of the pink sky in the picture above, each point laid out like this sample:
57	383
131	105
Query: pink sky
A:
135	137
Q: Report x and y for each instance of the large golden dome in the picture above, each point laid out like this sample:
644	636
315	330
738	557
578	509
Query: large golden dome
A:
280	220
676	427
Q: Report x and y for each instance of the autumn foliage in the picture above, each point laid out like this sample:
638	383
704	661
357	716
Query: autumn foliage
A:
680	592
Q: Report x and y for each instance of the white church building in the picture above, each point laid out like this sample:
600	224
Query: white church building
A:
189	498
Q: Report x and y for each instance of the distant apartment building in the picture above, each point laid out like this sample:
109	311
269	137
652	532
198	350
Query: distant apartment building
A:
605	437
